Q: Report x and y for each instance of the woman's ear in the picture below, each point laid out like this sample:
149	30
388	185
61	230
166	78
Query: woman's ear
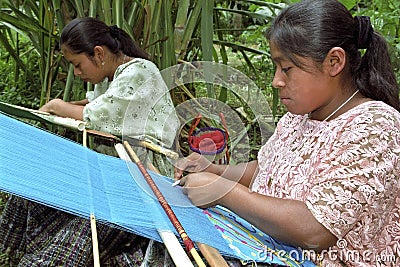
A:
99	53
335	61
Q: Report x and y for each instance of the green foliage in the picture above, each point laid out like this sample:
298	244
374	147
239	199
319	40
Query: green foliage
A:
228	32
20	86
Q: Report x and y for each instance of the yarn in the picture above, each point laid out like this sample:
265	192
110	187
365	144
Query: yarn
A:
51	170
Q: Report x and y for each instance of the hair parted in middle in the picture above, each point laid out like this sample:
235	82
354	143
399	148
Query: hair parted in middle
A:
311	28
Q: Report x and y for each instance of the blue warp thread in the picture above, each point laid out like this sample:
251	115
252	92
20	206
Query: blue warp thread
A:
57	172
54	171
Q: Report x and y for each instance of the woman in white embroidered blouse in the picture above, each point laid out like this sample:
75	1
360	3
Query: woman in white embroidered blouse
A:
329	178
131	99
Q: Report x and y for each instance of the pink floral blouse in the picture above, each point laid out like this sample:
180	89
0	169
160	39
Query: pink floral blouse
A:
347	172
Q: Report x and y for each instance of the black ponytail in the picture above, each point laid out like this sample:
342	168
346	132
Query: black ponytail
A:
81	35
311	28
375	77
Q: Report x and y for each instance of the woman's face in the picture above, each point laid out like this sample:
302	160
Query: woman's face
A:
88	69
301	91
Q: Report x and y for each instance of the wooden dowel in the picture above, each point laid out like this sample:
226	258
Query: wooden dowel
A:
171	242
95	243
164	204
96	256
156	148
176	251
84	137
103	135
159	149
212	255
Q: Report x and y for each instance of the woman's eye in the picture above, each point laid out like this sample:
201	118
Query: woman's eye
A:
285	70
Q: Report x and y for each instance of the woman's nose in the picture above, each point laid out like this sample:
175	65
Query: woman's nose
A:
277	82
77	72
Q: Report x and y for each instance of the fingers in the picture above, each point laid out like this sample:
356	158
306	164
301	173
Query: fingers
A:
177	182
180	182
193	163
202	189
181	166
178	173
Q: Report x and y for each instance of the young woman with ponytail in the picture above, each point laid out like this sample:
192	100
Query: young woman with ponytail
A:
127	85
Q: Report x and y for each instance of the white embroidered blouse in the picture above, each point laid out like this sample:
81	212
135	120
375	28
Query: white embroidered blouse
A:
136	103
347	172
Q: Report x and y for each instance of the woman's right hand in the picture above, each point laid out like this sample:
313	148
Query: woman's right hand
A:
193	163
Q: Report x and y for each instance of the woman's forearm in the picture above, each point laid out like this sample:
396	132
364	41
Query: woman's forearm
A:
242	173
82	102
63	109
289	221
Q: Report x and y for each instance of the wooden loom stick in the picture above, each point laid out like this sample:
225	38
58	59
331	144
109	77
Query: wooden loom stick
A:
169	153
152	146
96	255
212	255
95	243
84	137
167	208
171	242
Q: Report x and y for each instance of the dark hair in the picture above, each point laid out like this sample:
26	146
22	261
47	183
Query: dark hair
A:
312	28
81	35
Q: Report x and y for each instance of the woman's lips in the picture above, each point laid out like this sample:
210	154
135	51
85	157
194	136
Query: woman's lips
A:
285	100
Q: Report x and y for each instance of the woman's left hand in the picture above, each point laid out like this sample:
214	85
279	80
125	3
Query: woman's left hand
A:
52	106
205	189
64	109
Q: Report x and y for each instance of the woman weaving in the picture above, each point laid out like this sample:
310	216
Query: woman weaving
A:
126	83
328	179
107	57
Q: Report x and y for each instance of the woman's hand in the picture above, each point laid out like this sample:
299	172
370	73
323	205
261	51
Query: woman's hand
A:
193	163
64	109
242	172
51	106
205	189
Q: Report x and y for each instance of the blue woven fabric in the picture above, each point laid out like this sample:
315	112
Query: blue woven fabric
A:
43	167
49	169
